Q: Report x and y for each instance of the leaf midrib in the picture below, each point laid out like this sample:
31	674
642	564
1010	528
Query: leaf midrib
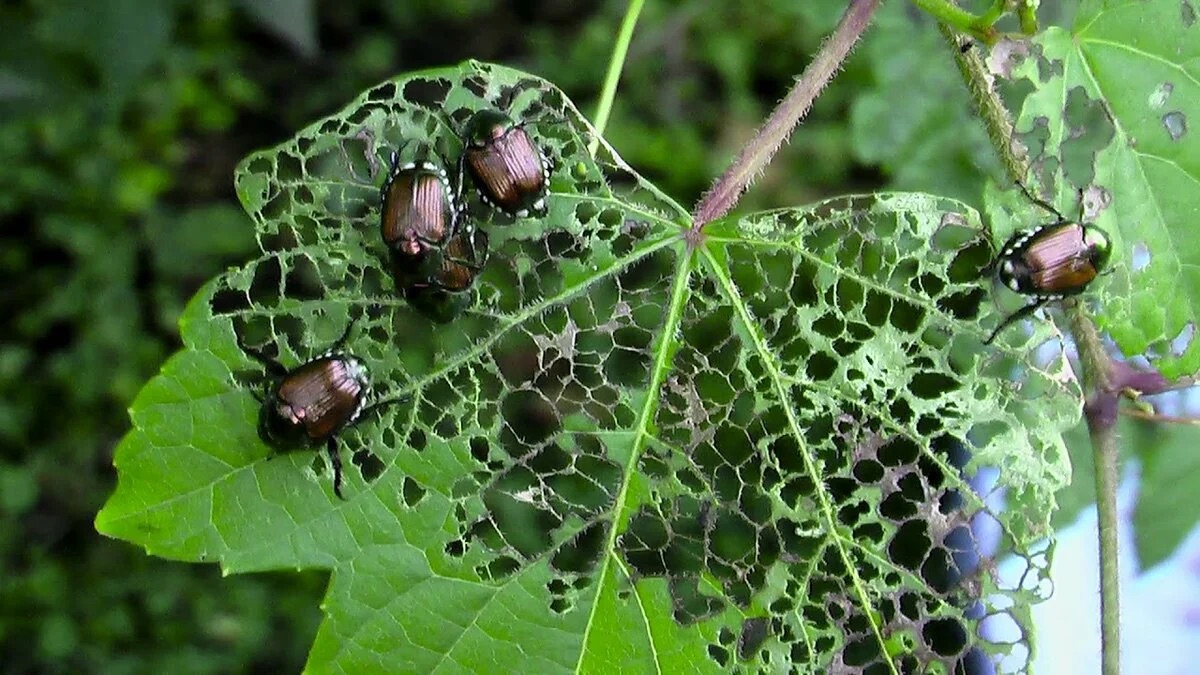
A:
769	361
658	375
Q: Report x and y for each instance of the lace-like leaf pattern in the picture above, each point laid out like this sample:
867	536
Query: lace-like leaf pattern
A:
638	448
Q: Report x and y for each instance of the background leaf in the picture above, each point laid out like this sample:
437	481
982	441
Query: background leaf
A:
914	118
292	20
123	38
633	448
1166	509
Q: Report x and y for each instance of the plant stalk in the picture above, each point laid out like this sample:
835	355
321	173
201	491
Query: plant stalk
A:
1104	455
1096	373
996	119
787	115
609	91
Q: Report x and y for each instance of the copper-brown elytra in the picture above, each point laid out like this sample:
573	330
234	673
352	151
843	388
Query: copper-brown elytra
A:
417	207
510	170
1050	262
310	404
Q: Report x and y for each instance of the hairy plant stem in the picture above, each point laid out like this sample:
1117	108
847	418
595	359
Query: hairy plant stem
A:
1104	454
609	91
996	119
1097	382
1095	366
787	115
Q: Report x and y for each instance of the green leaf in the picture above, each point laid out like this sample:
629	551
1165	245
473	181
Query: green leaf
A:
641	448
1109	115
1167	508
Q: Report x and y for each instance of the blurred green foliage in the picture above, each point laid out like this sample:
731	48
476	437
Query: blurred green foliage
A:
122	122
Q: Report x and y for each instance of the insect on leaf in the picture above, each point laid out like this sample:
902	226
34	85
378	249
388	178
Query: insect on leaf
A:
634	449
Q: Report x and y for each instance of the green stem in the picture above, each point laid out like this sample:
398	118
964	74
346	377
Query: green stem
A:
1027	16
948	14
1104	454
1095	370
993	15
609	91
787	115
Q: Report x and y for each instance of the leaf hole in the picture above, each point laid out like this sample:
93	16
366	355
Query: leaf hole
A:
412	492
456	548
229	301
499	569
583	552
368	464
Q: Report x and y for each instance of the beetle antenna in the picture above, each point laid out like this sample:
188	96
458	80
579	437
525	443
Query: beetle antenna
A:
1040	202
335	460
1016	316
989	270
341	341
459	181
273	366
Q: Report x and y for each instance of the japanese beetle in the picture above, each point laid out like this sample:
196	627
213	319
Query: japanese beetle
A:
1050	262
446	292
308	405
511	171
417	209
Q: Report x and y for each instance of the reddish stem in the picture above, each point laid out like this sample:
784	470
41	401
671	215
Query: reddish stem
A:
787	115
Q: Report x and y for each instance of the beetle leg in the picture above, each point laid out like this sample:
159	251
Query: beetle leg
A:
273	366
479	251
1036	200
1016	316
380	405
458	183
263	432
989	270
393	165
441	287
335	460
